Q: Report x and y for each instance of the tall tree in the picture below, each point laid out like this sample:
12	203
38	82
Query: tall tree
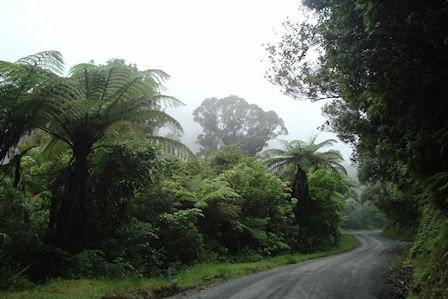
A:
100	106
304	156
385	66
24	87
232	120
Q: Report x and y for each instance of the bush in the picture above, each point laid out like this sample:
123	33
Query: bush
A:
136	243
275	245
266	211
430	254
92	264
324	212
24	257
13	280
180	239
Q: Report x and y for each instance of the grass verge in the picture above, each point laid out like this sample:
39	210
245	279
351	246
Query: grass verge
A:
190	277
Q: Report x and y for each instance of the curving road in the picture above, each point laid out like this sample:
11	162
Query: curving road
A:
354	274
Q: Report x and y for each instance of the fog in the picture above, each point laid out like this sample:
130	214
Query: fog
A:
210	48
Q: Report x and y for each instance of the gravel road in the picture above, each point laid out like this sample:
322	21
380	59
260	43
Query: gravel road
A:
354	274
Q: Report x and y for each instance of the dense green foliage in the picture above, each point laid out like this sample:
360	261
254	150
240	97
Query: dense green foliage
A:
89	191
311	210
190	277
93	107
232	120
383	67
24	92
162	215
429	254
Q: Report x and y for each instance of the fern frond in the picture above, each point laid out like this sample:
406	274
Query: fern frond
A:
172	147
304	155
438	181
53	149
48	60
168	101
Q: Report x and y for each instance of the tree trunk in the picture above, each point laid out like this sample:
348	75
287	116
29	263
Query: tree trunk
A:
300	192
72	218
17	171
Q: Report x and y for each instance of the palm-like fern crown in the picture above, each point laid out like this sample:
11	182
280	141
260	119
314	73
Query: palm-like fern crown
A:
101	103
23	94
206	192
304	155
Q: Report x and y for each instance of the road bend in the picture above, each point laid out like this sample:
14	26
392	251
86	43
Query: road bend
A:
354	274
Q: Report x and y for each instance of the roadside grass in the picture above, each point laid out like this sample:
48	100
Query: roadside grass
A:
88	288
350	230
194	276
205	273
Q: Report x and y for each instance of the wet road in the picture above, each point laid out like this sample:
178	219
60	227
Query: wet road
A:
354	274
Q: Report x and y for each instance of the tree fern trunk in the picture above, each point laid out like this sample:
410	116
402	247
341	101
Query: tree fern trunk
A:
72	218
300	192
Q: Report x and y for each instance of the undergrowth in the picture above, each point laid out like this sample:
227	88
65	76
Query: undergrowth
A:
429	255
398	233
426	258
171	283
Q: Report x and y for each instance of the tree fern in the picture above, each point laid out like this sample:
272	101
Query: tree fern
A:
100	106
303	156
24	88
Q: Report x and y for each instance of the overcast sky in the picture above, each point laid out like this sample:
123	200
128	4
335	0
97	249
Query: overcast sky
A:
210	48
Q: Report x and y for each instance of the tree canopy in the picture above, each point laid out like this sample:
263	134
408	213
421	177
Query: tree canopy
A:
303	158
232	120
93	192
99	106
25	86
383	66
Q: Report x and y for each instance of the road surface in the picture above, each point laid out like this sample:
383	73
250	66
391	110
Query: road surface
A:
355	274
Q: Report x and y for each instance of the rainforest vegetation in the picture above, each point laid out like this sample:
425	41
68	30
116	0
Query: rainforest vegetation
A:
382	68
90	189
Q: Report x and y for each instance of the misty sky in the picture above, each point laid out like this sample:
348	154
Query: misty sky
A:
209	48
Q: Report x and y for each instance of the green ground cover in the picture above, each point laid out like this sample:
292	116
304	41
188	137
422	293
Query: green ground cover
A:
197	275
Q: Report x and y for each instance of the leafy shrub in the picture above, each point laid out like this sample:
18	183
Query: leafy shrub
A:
88	264
430	254
13	280
136	243
180	239
265	207
116	175
262	193
214	256
324	212
226	157
10	278
13	206
275	245
93	264
24	257
250	255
